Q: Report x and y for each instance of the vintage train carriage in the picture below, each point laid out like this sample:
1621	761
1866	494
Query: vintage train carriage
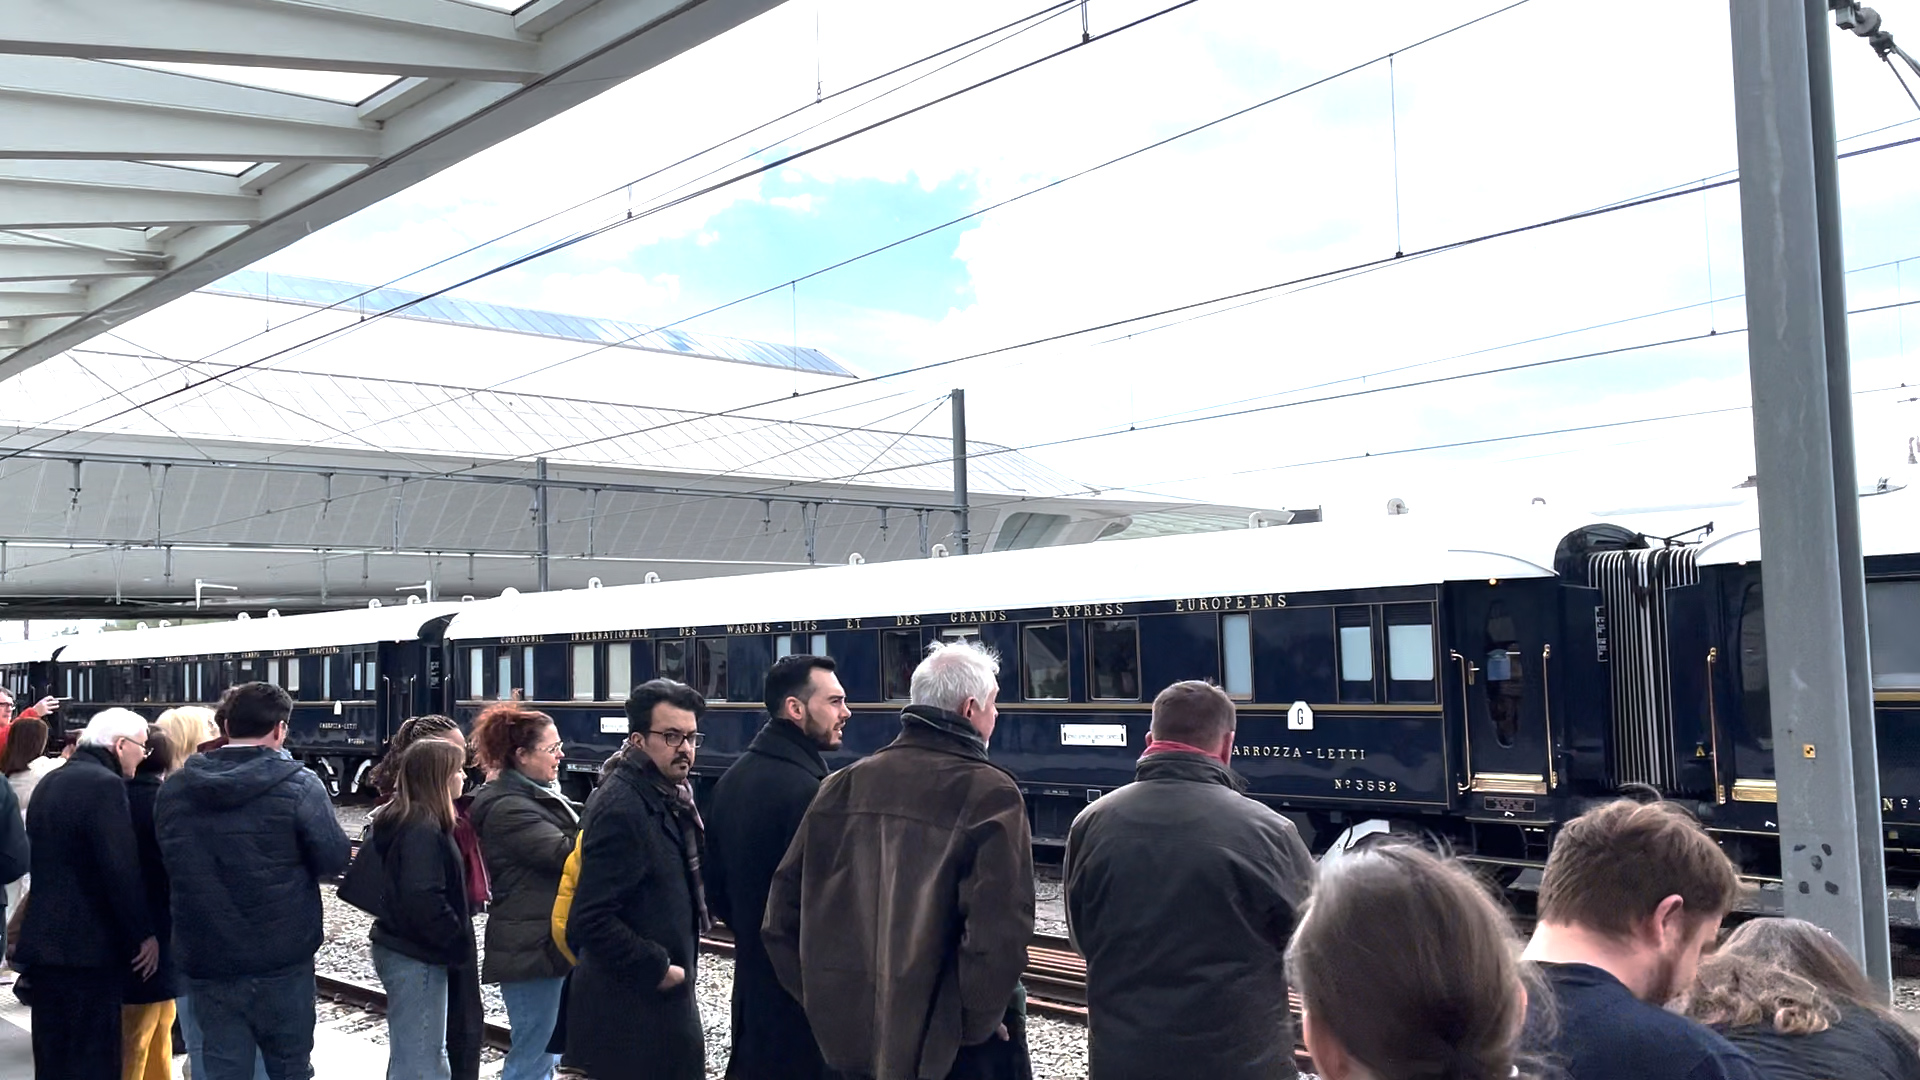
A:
27	668
1382	673
352	675
1701	627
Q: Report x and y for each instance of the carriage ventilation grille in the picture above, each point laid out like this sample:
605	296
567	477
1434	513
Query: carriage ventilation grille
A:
1634	585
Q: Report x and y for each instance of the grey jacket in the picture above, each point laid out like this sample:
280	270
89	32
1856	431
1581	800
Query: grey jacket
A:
1175	874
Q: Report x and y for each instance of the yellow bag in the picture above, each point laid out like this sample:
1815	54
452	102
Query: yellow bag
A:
563	900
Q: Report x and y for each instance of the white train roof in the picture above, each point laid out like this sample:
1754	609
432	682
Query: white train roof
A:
1292	559
33	650
361	626
1889	525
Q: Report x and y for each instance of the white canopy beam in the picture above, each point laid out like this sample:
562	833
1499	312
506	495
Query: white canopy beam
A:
39	305
381	37
61	108
34	204
40	262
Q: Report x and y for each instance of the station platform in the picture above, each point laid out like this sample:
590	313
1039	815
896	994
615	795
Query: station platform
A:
336	1055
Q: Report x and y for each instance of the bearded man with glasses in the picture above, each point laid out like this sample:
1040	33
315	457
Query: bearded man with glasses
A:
639	907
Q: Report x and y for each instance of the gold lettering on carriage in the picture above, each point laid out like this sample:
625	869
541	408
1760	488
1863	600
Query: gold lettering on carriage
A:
750	628
1245	602
1087	611
1303	753
969	617
524	639
605	635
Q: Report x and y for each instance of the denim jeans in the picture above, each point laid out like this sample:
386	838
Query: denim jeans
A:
190	1032
416	1016
533	1006
256	1018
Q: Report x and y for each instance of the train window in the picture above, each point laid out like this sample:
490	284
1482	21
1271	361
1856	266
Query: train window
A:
326	678
359	674
1236	655
952	634
782	645
619	671
1410	662
1503	676
583	673
503	674
69	692
710	667
899	655
1893	634
476	674
670	659
1756	705
273	672
1354	630
1113	656
293	675
526	675
1043	662
818	645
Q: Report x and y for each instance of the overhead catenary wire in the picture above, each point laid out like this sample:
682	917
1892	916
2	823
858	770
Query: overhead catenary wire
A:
757	170
1050	11
971	215
1064	335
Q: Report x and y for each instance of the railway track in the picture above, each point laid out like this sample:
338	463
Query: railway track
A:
373	999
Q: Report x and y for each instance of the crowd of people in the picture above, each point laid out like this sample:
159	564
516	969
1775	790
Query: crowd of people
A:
881	913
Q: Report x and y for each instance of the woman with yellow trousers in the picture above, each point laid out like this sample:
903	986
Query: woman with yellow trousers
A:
146	1018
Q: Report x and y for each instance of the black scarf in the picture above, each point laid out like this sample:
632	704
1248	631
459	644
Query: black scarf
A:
693	831
947	723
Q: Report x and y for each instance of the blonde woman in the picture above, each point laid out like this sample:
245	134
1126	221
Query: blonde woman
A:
187	728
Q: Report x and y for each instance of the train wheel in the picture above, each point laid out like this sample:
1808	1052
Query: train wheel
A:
329	772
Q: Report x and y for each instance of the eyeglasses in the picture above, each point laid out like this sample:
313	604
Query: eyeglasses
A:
145	750
676	739
557	750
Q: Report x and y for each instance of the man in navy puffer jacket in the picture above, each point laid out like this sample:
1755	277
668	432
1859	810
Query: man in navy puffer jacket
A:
247	833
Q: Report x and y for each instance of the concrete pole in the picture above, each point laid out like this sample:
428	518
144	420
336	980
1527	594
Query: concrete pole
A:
543	558
960	507
1827	848
1853	571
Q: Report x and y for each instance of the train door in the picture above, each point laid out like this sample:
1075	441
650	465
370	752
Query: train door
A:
1499	666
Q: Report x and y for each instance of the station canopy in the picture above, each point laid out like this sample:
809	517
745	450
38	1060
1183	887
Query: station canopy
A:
146	153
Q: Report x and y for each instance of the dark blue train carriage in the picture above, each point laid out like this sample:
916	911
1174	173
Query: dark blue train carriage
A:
353	675
1384	676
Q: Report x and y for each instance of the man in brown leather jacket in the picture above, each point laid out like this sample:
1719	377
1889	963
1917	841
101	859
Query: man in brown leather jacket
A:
901	914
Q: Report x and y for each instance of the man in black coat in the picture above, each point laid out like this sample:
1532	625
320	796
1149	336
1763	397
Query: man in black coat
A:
755	810
87	924
1182	894
247	833
639	905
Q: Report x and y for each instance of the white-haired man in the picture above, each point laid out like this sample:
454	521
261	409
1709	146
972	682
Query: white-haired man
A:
88	925
901	914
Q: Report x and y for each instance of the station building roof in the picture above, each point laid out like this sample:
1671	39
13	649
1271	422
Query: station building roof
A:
456	311
319	479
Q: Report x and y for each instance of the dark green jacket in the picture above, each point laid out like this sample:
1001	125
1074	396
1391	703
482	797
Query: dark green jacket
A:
526	833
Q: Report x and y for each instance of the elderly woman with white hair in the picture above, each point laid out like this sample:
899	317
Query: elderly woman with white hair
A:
87	924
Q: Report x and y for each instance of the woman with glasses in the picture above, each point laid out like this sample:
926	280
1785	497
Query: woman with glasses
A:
526	829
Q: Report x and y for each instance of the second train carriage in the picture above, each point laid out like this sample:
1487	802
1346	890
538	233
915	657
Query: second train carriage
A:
352	675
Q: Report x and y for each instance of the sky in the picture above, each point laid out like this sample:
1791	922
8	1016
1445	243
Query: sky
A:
1549	108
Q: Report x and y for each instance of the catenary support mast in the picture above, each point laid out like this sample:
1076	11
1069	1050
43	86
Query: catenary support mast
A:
1824	757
